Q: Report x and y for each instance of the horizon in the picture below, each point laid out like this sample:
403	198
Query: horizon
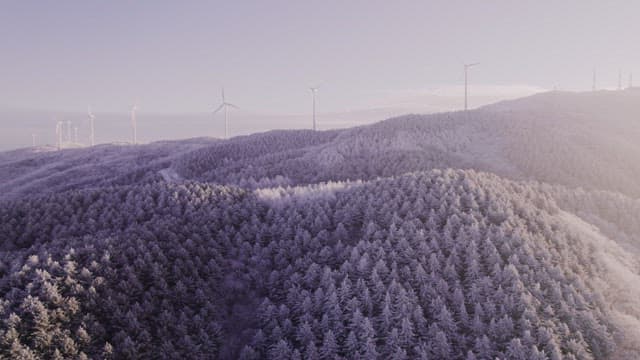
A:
153	127
242	122
172	59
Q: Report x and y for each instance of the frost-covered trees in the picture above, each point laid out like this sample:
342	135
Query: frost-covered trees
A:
575	142
316	245
443	264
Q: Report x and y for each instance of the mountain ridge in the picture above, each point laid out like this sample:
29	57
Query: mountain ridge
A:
507	231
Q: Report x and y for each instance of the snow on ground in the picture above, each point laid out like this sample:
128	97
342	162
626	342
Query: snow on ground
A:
620	285
280	195
42	170
170	175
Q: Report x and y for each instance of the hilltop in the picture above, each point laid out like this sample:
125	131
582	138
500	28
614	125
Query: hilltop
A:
575	139
509	231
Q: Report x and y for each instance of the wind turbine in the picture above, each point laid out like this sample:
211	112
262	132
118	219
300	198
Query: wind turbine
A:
33	140
91	120
466	84
75	134
224	106
134	124
619	79
314	90
68	130
59	126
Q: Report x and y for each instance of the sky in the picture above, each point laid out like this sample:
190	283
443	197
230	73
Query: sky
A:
173	57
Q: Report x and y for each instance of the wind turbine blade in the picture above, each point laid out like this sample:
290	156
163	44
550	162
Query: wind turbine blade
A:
218	109
233	106
223	95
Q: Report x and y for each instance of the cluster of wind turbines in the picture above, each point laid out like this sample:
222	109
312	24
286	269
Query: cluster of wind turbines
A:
594	86
224	107
61	139
63	132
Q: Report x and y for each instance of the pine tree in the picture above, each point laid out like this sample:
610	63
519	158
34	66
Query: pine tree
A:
351	345
440	347
305	334
483	348
19	351
516	351
392	342
282	350
329	349
248	353
536	354
406	333
370	351
399	354
311	352
295	355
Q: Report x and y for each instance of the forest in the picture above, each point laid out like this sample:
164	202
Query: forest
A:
497	233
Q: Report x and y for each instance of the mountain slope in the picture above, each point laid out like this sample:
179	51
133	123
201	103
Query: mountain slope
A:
510	231
42	170
439	264
573	139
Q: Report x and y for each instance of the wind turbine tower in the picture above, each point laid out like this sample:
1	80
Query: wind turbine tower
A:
134	124
33	140
75	134
68	130
314	90
619	79
91	120
59	125
466	84
224	106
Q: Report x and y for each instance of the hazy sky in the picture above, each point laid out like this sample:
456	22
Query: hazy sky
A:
173	56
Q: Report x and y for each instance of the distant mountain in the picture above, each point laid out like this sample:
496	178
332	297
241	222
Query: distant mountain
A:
44	170
18	125
574	139
506	232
